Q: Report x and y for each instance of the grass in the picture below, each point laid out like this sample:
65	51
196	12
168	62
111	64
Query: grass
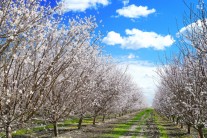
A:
123	128
143	121
162	130
69	123
22	132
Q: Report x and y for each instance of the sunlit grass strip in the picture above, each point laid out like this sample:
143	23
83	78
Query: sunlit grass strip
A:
122	128
69	123
22	132
163	132
143	121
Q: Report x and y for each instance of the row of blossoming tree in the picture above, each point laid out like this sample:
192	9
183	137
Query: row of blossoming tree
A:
52	70
182	92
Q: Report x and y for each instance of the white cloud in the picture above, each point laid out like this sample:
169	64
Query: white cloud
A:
133	11
131	56
125	2
81	5
144	75
136	39
193	27
113	38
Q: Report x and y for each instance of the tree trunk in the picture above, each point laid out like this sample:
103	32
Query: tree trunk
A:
181	125
189	126
8	131
94	120
55	128
109	117
200	132
80	122
173	119
177	120
103	119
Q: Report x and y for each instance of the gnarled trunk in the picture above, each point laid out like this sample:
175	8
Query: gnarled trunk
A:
55	128
177	120
189	126
181	125
80	122
8	131
200	132
173	118
94	120
103	119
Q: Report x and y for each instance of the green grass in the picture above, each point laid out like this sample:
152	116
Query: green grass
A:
143	121
22	132
69	123
122	128
2	135
162	130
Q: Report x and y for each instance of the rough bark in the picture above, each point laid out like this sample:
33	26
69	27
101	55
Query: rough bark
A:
200	132
80	122
173	118
94	120
55	128
177	120
103	119
189	126
8	131
181	125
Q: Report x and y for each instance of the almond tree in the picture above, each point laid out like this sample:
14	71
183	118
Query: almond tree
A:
35	50
101	90
72	77
194	41
86	93
23	74
187	89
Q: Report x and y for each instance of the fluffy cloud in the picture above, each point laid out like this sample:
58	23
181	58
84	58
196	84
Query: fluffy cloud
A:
133	11
136	39
113	38
131	56
143	73
194	27
81	5
125	2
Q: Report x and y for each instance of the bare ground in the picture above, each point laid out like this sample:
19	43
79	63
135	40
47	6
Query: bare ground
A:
143	128
96	131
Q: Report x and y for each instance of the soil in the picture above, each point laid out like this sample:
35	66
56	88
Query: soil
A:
146	127
152	130
96	131
149	129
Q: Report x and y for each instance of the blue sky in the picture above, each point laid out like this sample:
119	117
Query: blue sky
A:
135	32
